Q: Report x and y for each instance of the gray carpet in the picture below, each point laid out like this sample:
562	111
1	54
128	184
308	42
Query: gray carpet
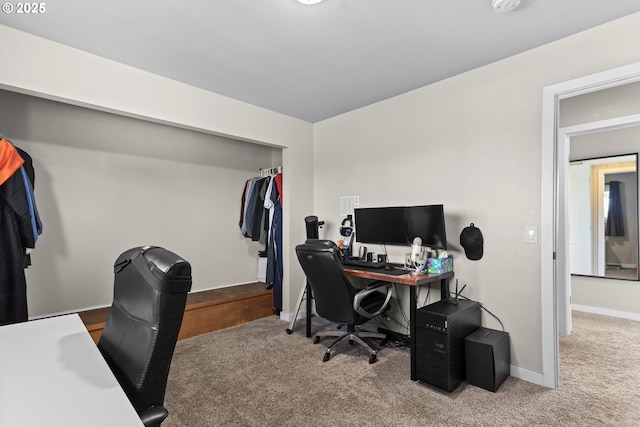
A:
257	375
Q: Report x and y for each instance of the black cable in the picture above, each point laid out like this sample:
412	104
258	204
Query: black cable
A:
404	315
485	309
398	323
425	298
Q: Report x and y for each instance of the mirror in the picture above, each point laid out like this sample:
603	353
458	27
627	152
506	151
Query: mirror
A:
603	217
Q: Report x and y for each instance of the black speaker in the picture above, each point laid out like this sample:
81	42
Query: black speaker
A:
488	358
440	331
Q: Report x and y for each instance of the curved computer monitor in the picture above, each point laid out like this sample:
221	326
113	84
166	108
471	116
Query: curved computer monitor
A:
427	222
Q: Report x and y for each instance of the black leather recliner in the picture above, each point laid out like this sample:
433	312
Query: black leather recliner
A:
150	293
336	299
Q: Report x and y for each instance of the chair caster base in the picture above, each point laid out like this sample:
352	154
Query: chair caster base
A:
326	357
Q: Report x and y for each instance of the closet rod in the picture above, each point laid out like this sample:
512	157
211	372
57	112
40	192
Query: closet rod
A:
270	171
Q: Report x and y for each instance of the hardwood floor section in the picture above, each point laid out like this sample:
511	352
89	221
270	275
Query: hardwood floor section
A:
206	311
216	309
94	321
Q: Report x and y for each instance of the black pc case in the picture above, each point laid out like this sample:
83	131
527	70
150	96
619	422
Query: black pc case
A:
441	328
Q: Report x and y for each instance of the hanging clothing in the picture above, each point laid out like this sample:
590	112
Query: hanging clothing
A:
243	202
278	179
10	160
257	211
254	200
261	220
274	258
20	227
252	212
275	264
247	197
269	203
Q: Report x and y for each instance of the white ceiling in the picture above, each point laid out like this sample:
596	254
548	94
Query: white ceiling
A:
311	61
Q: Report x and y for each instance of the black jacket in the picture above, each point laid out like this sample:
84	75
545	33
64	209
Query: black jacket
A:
16	234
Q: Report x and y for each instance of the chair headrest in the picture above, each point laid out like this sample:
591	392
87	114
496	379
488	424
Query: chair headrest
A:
169	272
168	262
320	242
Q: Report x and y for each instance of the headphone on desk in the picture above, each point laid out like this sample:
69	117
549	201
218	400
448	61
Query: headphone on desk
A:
346	228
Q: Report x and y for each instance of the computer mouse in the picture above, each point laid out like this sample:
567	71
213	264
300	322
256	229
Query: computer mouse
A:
389	267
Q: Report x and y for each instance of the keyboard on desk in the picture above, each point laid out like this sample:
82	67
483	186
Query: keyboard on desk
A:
361	263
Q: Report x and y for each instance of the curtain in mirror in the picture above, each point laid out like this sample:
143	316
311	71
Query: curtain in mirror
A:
615	221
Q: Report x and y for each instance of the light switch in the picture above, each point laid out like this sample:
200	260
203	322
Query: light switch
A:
531	234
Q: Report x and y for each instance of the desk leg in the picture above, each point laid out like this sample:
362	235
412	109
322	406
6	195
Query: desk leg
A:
309	305
412	330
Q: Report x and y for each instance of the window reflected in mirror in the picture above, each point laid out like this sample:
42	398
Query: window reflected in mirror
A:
603	217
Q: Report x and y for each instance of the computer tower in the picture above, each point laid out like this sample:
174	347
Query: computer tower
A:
488	358
441	328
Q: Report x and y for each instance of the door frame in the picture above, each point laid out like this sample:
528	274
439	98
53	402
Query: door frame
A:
554	250
563	155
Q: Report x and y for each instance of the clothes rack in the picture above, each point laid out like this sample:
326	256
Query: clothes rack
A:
270	171
261	220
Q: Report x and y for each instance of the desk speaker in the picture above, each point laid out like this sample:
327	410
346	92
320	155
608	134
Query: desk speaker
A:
488	358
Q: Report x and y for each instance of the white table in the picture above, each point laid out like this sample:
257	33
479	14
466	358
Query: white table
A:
52	374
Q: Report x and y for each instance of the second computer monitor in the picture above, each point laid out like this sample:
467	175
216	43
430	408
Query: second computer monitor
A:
426	222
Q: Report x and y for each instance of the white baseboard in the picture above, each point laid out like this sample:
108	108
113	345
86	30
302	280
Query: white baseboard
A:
606	312
302	314
526	375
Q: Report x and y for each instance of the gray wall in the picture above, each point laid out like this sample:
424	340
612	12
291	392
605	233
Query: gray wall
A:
106	183
472	142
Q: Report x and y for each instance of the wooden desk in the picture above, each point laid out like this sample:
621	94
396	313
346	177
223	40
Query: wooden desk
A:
52	374
405	279
413	281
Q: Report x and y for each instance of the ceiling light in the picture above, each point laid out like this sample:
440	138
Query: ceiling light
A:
309	1
502	6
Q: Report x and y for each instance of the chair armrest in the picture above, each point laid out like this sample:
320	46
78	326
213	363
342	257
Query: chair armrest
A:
373	287
154	416
378	283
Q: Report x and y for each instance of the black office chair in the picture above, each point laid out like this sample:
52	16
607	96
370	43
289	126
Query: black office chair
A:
335	297
150	293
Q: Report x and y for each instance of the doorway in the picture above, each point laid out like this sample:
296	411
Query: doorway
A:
554	244
565	136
